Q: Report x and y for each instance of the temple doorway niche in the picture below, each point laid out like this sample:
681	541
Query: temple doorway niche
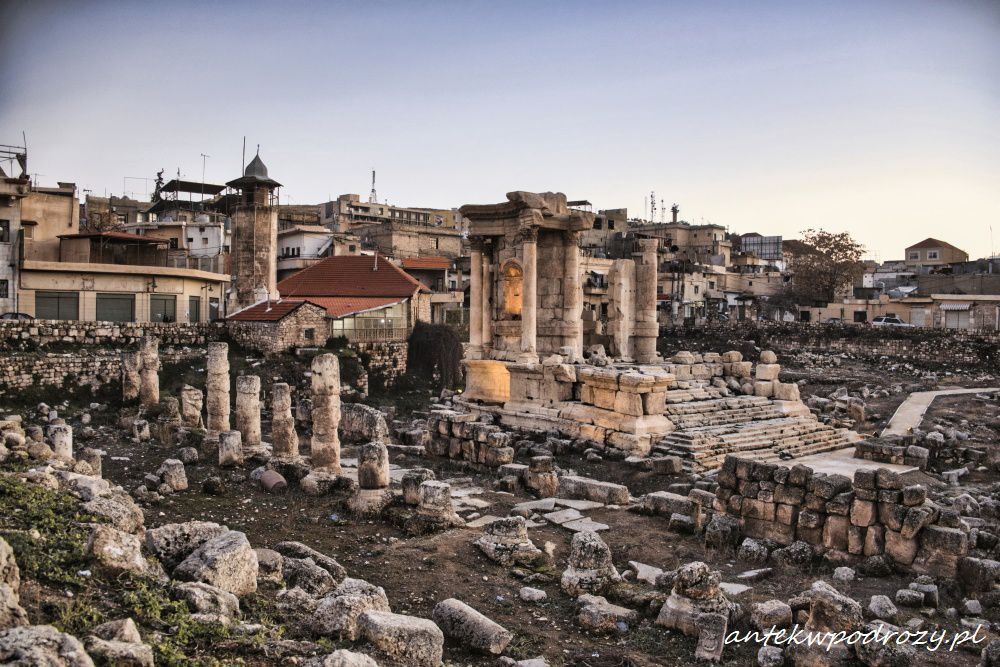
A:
511	290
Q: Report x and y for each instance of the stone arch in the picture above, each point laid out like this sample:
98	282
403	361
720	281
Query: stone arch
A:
511	289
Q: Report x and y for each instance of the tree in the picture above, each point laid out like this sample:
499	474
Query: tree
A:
822	264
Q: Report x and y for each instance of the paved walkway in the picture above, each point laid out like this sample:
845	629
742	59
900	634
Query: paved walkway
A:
842	462
909	415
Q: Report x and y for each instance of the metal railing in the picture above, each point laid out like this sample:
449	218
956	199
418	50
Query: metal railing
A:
378	335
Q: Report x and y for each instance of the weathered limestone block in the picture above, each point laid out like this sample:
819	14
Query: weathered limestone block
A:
130	375
116	551
149	371
435	510
461	622
227	561
362	423
338	612
786	391
301	551
192	402
217	383
325	451
506	542
695	592
590	568
373	466
411	482
412	641
42	645
767	372
541	476
119	509
248	410
210	602
585	488
283	434
598	615
173	475
230	448
173	542
61	436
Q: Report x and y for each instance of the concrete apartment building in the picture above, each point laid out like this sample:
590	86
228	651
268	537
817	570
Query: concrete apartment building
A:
932	254
56	272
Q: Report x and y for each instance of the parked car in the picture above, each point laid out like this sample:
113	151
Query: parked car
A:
20	317
834	320
889	321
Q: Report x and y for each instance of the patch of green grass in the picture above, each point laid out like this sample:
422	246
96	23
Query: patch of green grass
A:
58	552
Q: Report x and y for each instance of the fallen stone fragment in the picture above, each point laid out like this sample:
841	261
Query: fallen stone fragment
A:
461	622
416	642
227	561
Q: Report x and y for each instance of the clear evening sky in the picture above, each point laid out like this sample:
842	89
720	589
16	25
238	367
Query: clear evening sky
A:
880	118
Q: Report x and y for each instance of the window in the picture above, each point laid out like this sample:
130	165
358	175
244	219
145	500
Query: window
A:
711	284
204	240
162	308
213	308
933	254
4	289
860	315
173	244
29	231
115	307
190	240
194	309
611	224
598	224
4	231
915	254
309	334
57	305
351	248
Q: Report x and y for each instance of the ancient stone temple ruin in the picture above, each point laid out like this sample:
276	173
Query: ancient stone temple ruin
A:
528	363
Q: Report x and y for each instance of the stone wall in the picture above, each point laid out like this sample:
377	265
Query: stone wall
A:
924	347
385	359
19	335
873	514
93	368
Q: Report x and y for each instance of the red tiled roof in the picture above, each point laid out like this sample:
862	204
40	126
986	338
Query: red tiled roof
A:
118	236
267	311
351	275
342	306
427	263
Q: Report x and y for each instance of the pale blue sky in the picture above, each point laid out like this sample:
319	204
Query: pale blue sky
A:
880	118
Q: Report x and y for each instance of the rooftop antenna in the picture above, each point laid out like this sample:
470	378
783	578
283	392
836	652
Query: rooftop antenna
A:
373	198
663	211
243	167
652	206
203	158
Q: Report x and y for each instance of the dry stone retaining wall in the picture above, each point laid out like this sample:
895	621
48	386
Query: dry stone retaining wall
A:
925	347
93	368
47	332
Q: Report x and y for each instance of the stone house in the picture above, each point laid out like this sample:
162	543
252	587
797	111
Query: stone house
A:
276	326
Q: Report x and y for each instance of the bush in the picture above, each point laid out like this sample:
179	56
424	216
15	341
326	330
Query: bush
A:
434	352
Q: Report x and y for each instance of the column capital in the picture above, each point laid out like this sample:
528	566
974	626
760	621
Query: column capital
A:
527	234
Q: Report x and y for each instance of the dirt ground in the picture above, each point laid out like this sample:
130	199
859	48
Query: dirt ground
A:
418	572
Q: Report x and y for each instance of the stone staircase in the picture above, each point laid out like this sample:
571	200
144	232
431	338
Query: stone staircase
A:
751	426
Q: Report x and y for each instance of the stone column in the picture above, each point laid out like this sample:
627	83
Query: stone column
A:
283	435
230	448
373	494
485	307
149	371
529	295
169	420
476	301
218	387
573	293
130	375
325	451
61	436
646	326
248	409
192	402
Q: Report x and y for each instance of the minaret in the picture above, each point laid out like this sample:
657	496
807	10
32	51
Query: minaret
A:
255	237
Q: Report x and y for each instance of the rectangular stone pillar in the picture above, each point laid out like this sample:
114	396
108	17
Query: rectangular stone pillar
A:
487	311
572	293
529	296
647	328
476	302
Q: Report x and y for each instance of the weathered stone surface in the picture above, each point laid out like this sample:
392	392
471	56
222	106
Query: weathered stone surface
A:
771	614
411	482
337	613
227	561
208	600
299	550
173	475
506	542
590	568
373	465
218	388
116	551
598	615
285	439
341	658
230	448
304	573
362	423
413	641
832	611
325	448
585	488
461	622
173	542
41	645
120	654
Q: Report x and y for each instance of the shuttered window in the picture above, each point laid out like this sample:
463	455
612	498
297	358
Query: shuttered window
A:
162	308
194	309
57	305
116	307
